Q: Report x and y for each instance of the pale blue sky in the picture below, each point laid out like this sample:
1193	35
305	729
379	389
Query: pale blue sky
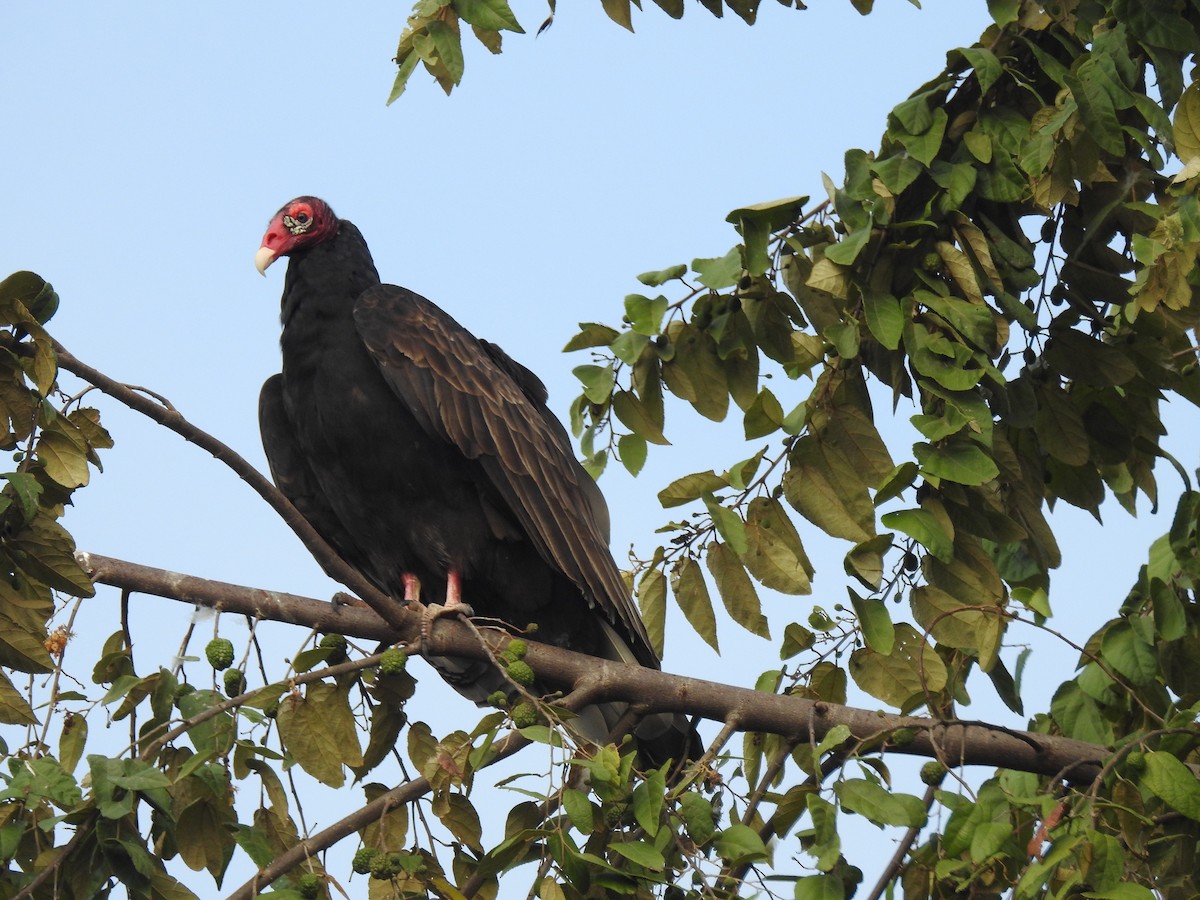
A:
146	146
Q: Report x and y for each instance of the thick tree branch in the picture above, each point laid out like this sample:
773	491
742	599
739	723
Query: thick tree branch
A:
968	743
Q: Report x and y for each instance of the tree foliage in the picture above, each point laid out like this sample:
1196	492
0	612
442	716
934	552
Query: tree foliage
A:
1014	267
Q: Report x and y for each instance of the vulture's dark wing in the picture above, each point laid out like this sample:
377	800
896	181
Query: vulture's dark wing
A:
290	470
489	407
533	388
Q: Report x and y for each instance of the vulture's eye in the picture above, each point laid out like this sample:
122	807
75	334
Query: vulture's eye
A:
302	218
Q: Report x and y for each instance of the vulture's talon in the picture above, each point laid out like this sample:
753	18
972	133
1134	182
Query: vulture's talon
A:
435	611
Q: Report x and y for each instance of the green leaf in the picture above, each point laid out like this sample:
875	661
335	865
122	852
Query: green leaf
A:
1126	652
38	779
986	65
637	417
461	818
914	114
796	639
662	276
597	381
924	528
765	416
728	523
902	677
774	554
632	449
719	272
494	15
448	42
820	887
32	291
691	594
898	172
652	603
691	487
407	61
1187	124
580	810
736	590
27	489
1004	12
1093	90
885	319
1060	426
865	560
72	741
63	454
648	797
825	488
318	730
879	805
1173	783
1079	716
845	251
639	852
14	709
629	346
740	844
757	222
876	624
959	622
694	373
826	844
645	313
591	334
963	462
619	11
697	815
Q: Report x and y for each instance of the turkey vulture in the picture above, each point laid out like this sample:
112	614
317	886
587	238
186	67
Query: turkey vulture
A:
428	459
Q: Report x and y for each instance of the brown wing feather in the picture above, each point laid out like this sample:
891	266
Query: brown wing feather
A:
458	388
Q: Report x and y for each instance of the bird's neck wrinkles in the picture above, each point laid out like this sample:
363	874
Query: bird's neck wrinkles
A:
323	281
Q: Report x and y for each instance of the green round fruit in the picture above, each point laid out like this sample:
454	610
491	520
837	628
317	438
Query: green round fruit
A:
519	671
364	858
309	885
933	773
382	867
517	648
235	682
219	653
525	714
393	661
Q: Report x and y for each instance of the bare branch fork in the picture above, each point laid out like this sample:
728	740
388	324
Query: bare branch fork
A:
970	743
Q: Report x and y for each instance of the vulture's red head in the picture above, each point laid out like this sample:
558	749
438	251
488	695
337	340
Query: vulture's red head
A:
301	223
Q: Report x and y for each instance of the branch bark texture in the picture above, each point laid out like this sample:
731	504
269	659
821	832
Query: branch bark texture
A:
953	742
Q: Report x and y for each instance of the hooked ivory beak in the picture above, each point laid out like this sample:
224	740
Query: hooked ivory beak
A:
263	258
